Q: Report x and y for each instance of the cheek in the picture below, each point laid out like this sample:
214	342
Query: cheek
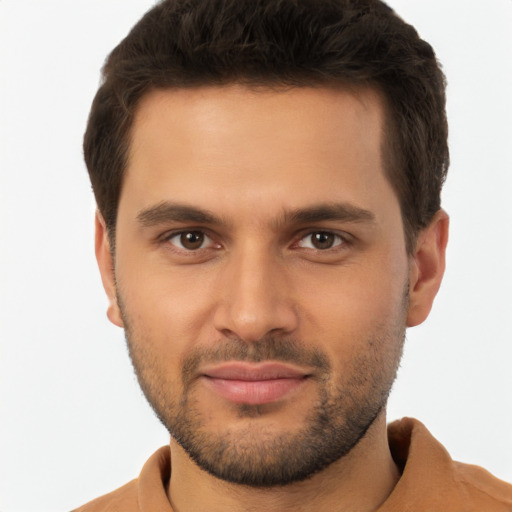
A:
351	306
165	308
355	296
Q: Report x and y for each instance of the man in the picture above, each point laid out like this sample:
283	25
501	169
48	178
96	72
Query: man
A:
268	178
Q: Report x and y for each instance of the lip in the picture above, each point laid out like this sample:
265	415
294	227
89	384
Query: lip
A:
254	383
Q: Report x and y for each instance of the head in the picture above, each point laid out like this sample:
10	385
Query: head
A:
267	177
341	43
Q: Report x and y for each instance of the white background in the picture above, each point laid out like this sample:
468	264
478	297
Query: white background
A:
73	422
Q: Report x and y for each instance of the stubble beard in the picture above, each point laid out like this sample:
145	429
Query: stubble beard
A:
254	455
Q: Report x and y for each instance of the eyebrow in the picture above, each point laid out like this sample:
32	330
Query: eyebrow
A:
343	212
174	212
166	211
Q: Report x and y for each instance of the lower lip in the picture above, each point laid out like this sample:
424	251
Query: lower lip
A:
256	392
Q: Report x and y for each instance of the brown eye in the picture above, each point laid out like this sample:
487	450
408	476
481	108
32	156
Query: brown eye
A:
321	240
192	240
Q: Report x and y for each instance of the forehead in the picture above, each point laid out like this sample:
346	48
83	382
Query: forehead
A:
238	146
311	116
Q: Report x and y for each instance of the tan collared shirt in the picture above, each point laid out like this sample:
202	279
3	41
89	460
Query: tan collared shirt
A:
431	481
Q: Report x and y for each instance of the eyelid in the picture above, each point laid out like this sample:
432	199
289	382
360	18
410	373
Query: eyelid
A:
308	232
166	238
346	238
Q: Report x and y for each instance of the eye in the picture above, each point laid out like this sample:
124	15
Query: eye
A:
190	240
321	240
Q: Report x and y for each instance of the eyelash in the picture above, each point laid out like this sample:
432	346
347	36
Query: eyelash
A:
340	240
168	237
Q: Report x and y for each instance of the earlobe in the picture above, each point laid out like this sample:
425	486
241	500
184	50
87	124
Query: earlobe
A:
106	267
427	268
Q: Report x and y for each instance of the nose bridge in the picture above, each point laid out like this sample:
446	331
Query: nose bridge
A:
256	298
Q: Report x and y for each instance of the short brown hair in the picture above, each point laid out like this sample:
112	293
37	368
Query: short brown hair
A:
190	43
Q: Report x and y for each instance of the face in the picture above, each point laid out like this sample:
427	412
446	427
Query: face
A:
261	274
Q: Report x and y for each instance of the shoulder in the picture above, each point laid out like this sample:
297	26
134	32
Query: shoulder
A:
124	499
432	480
484	488
145	493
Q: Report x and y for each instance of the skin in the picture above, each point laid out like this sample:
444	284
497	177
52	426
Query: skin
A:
250	157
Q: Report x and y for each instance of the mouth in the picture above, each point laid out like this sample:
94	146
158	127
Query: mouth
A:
254	383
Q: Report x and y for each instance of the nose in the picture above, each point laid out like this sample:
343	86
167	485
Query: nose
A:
255	298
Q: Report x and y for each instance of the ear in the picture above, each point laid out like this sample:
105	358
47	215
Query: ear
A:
426	269
106	266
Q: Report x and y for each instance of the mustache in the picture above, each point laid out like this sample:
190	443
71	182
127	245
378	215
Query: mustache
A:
265	349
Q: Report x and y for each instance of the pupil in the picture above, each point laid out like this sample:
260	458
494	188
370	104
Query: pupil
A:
192	239
323	240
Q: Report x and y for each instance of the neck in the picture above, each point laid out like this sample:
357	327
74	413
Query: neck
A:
362	480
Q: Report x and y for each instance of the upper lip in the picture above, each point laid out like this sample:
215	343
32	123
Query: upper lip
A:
236	370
